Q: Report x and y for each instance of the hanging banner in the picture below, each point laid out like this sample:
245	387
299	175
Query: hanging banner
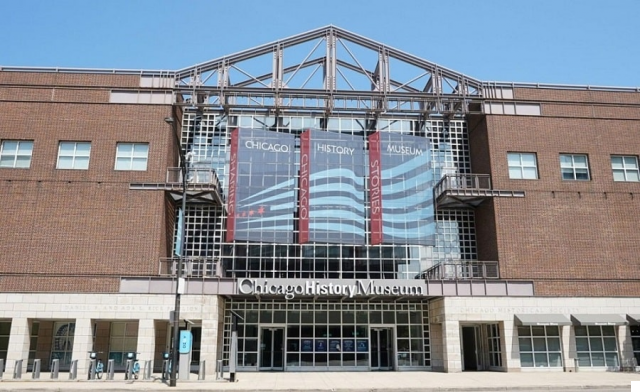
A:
264	186
403	194
233	183
375	189
335	188
303	194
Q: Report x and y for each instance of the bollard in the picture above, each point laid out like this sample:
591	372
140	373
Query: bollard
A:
35	373
73	370
576	365
219	370
165	369
17	370
111	364
55	369
128	374
92	369
1	368
146	375
202	371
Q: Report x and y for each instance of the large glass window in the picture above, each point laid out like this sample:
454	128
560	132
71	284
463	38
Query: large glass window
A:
328	335
635	341
625	168
574	167
132	156
540	346
62	343
522	165
596	346
16	153
123	340
74	155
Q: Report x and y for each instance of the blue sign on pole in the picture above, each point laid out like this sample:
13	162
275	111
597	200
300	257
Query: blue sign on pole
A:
185	342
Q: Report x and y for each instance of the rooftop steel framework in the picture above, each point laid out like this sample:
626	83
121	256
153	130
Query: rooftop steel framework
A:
328	69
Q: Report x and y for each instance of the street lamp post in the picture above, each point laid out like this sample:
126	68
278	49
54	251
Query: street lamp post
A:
179	278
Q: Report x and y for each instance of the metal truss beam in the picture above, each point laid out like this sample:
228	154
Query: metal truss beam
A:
376	88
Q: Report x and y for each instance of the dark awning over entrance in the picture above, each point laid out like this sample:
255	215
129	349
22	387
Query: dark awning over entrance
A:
634	318
598	319
542	319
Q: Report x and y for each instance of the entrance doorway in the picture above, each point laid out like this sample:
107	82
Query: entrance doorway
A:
272	348
470	348
481	347
381	348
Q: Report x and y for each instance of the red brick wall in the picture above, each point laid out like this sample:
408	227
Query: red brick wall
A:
80	230
571	237
60	79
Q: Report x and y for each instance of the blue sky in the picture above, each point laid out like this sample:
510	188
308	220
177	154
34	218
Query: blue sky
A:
584	42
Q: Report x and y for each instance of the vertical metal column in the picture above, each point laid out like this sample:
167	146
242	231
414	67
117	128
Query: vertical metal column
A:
202	370
35	373
128	374
55	369
111	364
92	369
73	370
17	370
147	370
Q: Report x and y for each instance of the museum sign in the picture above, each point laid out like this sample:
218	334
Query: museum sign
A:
292	288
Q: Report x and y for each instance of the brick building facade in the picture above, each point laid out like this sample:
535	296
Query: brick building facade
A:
536	198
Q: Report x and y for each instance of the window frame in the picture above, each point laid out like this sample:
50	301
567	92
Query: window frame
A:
600	335
532	339
74	155
522	166
624	170
573	169
16	153
130	156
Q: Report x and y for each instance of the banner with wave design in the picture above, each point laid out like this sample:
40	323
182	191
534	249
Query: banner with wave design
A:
264	203
401	190
332	175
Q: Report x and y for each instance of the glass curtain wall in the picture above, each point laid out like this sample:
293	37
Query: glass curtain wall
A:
207	137
324	335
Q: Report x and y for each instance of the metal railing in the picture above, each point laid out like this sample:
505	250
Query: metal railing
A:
201	176
462	181
462	270
192	267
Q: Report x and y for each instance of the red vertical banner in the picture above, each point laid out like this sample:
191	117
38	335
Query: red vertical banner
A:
233	184
375	188
303	195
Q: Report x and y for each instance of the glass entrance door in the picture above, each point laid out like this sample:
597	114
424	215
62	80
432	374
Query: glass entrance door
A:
271	348
381	349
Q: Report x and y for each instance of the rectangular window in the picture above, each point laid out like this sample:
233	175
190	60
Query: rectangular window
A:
62	343
16	153
625	168
574	167
635	341
495	352
540	346
596	346
132	156
522	165
74	155
123	340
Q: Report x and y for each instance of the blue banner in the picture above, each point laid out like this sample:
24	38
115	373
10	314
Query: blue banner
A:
406	179
265	187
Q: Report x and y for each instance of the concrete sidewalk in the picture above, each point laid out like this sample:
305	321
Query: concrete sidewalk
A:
354	382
